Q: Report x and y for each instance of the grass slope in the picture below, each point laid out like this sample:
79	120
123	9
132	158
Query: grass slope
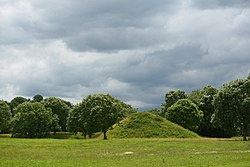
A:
147	125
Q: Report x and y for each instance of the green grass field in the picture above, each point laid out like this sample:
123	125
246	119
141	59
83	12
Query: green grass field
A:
123	152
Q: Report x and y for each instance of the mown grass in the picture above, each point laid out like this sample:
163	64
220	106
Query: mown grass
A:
148	125
123	152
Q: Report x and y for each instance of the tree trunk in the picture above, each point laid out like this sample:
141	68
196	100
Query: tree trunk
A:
84	135
90	136
244	134
105	135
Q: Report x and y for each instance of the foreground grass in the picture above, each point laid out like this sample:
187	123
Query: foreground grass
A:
126	152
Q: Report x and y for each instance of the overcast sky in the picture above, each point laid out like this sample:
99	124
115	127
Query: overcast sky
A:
136	50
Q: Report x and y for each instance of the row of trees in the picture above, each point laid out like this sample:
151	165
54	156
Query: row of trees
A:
212	112
22	116
38	117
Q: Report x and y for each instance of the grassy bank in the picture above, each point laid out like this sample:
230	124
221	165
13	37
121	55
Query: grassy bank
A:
126	152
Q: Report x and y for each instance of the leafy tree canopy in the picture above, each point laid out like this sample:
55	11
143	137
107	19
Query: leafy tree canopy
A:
172	97
204	100
5	117
31	120
97	113
232	105
37	98
16	101
185	113
74	122
60	108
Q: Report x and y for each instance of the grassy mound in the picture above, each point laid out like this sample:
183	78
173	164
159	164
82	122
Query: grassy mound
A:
147	125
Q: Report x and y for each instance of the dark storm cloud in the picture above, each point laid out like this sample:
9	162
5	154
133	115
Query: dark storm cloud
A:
135	50
88	25
204	4
113	39
107	25
156	67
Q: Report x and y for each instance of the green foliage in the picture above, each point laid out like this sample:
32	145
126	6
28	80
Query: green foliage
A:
103	111
5	117
60	108
15	102
172	97
124	109
31	120
204	100
37	98
55	124
97	113
185	113
81	120
233	107
73	121
147	125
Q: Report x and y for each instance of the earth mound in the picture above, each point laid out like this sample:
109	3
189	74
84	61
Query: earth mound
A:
147	125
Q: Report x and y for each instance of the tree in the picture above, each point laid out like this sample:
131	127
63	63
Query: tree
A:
55	124
31	120
173	96
60	108
103	110
81	120
124	109
73	121
170	98
245	118
5	117
97	113
233	107
204	100
37	98
185	113
16	101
